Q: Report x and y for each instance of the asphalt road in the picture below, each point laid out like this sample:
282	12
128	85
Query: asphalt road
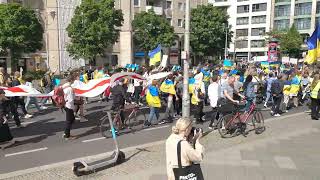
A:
41	143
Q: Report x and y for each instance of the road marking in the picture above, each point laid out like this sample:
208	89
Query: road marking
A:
94	139
150	129
285	162
25	123
25	152
70	162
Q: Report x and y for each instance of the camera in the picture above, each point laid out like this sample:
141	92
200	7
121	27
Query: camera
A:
193	131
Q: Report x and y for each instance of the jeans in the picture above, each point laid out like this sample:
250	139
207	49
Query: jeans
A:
32	100
198	111
46	90
276	104
69	121
214	117
154	111
169	109
315	107
20	101
249	103
268	97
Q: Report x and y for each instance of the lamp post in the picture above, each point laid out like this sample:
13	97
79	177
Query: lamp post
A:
186	97
226	42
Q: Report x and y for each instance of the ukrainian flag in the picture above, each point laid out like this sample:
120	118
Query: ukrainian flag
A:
155	55
152	97
227	64
168	87
313	47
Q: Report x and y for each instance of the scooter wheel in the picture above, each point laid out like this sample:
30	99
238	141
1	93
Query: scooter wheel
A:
121	157
76	167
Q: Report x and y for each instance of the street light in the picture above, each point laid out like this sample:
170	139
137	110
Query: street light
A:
226	42
186	97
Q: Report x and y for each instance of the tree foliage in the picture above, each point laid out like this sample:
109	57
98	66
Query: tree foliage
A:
290	41
151	30
208	25
20	30
93	28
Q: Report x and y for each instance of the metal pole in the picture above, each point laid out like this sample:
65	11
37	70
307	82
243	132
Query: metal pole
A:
186	97
226	43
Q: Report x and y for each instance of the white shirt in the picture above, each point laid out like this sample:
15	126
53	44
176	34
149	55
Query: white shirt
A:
68	95
213	93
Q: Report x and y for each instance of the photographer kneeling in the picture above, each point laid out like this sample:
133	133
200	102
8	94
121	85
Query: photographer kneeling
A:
182	134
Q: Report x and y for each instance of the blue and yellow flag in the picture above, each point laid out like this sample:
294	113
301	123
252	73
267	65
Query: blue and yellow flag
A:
152	97
227	64
168	87
313	47
155	55
192	81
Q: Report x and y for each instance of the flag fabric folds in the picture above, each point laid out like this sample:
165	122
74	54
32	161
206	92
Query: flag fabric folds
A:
313	47
155	55
152	97
168	87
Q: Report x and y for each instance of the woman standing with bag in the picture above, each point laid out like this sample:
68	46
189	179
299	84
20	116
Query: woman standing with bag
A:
180	153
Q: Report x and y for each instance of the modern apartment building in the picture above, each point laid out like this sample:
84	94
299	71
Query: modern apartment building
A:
249	20
304	14
55	15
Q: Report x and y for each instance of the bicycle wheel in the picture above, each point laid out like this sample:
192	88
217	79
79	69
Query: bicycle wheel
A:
105	128
258	122
226	128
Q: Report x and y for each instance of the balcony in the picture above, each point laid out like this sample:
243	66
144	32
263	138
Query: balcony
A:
157	10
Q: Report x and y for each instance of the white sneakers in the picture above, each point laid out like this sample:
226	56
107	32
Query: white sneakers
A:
27	116
277	115
43	107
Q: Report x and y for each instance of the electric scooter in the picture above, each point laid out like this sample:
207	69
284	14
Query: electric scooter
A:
83	168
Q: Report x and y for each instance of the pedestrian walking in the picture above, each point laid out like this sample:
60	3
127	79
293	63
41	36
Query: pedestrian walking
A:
153	101
277	94
5	134
315	97
69	97
214	92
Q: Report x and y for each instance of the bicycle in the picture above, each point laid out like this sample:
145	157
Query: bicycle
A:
231	125
134	112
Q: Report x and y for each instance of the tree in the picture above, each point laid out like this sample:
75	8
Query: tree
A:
151	30
290	41
20	31
93	28
208	30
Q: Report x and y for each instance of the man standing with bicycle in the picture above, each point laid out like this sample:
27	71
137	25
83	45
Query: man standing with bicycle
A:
226	101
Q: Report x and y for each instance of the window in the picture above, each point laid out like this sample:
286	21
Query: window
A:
181	6
259	7
317	20
169	20
303	9
257	43
303	23
258	31
168	5
180	22
242	20
282	24
221	0
283	10
318	7
242	44
241	0
277	1
243	9
258	19
241	32
136	2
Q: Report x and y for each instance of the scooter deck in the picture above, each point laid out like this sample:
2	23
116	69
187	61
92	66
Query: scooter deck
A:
102	160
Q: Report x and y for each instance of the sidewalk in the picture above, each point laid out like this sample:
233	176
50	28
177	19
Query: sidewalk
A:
286	150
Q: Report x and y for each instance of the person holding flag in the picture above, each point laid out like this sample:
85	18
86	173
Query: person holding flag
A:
153	101
168	88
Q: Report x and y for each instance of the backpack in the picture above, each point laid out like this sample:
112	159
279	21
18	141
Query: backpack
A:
58	97
276	87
